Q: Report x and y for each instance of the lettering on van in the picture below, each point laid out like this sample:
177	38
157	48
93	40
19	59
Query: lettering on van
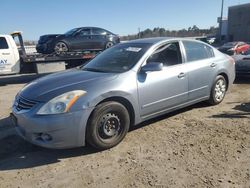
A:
3	62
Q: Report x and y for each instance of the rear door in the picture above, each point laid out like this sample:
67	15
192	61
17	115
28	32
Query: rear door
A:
99	38
81	40
7	57
201	68
163	90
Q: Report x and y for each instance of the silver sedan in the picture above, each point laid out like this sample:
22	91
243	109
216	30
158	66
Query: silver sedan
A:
121	87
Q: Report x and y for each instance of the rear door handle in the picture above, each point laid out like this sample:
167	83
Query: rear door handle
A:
5	53
213	65
181	75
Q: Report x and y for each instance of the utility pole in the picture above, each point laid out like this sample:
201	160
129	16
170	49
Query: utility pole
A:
221	15
139	32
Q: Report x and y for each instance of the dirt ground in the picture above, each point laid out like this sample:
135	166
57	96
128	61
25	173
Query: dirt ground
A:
199	146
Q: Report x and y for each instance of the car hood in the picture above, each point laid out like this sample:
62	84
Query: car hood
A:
48	87
46	38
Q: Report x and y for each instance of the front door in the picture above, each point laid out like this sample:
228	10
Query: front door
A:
163	90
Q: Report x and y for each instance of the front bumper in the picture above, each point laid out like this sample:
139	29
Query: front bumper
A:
40	48
44	48
52	131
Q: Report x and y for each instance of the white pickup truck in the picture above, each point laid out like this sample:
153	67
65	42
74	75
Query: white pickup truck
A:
14	60
9	55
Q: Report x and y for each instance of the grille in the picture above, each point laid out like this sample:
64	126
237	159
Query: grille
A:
24	104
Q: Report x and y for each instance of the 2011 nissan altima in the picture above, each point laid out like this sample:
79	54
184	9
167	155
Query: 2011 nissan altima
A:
123	86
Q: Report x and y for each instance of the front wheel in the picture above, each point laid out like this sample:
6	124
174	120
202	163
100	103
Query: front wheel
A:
218	90
61	47
108	125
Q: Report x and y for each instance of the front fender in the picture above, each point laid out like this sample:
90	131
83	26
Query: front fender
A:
118	94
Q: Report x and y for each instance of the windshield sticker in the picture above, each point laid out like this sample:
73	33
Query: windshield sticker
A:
133	49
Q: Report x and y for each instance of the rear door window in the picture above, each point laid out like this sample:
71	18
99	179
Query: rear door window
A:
3	43
197	51
97	31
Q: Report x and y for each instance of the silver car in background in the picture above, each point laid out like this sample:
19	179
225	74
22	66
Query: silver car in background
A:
123	86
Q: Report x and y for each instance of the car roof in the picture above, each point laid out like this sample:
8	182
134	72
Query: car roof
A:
5	36
151	40
156	40
91	27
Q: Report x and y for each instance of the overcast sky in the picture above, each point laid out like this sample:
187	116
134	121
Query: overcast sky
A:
38	17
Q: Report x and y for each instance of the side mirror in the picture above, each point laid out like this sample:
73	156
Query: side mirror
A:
152	66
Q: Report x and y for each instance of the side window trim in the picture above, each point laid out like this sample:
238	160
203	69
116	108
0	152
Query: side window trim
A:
183	52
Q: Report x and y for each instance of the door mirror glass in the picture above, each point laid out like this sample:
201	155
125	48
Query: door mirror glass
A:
152	66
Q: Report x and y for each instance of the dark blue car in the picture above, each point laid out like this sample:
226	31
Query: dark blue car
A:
77	39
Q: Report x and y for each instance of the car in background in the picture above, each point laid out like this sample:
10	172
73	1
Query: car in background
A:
211	40
242	64
232	48
121	87
77	39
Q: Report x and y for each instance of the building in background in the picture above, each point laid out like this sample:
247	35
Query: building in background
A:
239	23
223	30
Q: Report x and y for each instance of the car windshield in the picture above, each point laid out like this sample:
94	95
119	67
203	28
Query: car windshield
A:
70	32
119	58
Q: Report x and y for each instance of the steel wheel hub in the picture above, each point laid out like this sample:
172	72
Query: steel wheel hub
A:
110	125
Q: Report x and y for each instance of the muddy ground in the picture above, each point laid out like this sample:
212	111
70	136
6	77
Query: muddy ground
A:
199	146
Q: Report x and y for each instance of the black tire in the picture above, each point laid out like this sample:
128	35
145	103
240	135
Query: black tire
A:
108	125
109	45
219	87
61	47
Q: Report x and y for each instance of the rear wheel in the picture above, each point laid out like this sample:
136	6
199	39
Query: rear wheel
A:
61	47
108	125
218	90
109	44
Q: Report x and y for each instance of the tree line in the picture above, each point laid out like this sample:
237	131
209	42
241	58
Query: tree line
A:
162	32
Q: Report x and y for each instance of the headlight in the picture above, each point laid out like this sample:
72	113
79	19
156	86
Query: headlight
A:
62	103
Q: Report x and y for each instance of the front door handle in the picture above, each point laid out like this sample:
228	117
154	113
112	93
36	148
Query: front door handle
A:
5	53
181	75
213	65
